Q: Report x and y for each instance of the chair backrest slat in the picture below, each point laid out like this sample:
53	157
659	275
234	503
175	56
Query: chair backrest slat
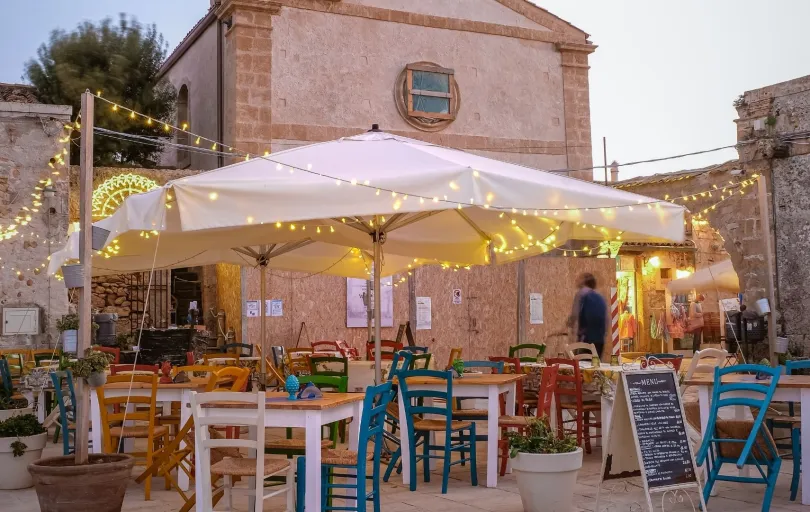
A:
588	351
534	351
411	396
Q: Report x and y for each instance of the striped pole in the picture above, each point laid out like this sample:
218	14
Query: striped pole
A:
614	321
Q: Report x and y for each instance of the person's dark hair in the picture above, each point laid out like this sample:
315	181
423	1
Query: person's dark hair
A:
588	280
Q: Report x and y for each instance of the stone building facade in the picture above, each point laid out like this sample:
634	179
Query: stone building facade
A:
774	131
31	137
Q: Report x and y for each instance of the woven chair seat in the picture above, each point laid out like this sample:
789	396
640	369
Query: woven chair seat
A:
440	425
783	418
292	444
741	429
393	410
517	421
340	457
470	413
247	467
585	407
138	431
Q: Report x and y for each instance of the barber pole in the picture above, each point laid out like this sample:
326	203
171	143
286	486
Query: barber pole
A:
614	321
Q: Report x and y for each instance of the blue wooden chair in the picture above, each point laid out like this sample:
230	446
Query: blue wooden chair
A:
66	401
459	436
5	375
341	463
476	414
793	423
403	360
741	442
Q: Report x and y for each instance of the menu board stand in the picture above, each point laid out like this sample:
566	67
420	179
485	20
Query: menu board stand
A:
648	415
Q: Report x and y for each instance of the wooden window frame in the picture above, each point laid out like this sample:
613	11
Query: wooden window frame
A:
411	91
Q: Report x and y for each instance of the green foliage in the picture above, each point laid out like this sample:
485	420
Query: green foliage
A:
20	426
122	61
124	341
92	362
7	403
539	437
68	322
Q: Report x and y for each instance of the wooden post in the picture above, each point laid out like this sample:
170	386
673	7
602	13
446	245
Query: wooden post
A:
765	221
85	292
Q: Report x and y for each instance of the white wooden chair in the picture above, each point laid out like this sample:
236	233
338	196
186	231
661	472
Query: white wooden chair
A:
588	354
256	467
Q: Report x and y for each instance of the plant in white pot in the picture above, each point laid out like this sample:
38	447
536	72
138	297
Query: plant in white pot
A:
12	406
546	467
22	439
68	326
92	367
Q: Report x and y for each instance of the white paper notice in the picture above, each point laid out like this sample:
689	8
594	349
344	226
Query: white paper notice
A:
535	308
252	308
457	296
422	313
273	307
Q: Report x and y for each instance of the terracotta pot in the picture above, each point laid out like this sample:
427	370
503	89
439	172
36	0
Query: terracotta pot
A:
14	470
99	486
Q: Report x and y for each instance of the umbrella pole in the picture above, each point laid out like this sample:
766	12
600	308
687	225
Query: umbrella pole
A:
263	303
377	305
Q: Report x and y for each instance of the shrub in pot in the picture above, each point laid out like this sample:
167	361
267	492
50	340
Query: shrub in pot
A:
22	439
92	367
546	467
12	406
68	326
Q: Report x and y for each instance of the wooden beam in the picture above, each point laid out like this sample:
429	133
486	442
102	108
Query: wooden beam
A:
85	292
765	221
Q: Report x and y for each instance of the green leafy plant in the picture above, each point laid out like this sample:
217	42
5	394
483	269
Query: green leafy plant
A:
539	437
24	425
123	340
92	362
68	322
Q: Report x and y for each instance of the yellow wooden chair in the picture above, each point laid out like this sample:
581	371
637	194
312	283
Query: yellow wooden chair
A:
173	420
113	432
232	378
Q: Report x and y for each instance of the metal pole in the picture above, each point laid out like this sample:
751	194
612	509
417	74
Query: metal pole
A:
263	321
604	154
377	303
762	193
85	292
369	310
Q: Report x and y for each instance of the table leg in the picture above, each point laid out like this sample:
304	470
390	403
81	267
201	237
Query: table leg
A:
404	442
313	455
606	413
185	414
201	497
805	444
510	411
95	422
493	408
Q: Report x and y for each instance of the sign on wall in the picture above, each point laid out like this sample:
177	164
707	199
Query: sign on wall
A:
457	296
423	313
356	297
252	308
535	308
273	307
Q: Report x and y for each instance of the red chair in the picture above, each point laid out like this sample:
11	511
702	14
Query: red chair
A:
189	358
545	397
325	346
116	352
512	365
569	398
120	368
387	350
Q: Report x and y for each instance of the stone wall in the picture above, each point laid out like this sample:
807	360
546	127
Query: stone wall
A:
29	137
774	127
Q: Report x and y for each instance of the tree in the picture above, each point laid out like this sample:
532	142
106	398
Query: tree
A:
120	60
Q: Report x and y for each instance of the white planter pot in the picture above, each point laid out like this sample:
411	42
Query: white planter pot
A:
4	415
70	340
14	470
97	379
546	481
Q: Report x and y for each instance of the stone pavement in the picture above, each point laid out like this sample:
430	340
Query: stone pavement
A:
462	497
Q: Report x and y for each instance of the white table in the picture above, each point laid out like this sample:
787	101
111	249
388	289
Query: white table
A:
790	388
469	386
312	415
166	393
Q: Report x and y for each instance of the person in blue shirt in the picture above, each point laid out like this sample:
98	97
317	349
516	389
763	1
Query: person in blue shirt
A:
589	314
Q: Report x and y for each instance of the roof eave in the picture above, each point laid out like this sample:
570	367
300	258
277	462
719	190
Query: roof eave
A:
187	42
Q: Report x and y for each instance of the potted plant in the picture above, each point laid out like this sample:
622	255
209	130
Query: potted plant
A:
92	367
10	406
546	467
22	439
68	326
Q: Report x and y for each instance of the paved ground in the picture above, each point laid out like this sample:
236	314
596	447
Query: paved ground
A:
462	497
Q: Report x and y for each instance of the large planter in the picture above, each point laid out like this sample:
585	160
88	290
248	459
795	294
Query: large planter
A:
99	486
97	379
14	470
10	413
546	481
70	340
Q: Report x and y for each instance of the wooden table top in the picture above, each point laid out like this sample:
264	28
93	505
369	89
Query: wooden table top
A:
785	381
194	384
472	379
279	400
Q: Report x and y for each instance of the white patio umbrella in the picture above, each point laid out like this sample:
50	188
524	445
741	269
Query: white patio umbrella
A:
425	203
720	276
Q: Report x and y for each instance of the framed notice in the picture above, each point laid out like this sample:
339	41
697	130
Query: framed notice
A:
359	297
423	313
535	308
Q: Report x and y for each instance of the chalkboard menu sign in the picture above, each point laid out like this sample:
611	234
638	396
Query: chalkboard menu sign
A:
659	427
160	345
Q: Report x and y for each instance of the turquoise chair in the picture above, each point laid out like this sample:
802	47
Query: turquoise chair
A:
420	361
476	414
792	423
459	436
337	466
722	440
5	375
62	382
403	360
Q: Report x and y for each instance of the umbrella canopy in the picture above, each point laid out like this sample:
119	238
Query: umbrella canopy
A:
720	276
374	192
